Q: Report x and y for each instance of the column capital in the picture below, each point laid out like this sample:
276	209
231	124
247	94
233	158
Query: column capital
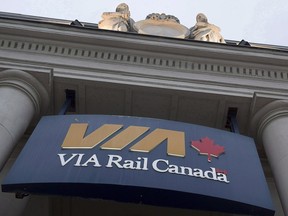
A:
30	85
265	115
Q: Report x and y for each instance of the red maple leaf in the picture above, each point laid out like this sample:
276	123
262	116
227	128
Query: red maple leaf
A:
207	146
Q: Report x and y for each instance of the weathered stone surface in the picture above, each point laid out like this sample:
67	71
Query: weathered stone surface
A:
161	25
117	21
204	31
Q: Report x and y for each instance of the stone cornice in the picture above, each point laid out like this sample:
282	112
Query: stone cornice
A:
126	57
160	60
97	37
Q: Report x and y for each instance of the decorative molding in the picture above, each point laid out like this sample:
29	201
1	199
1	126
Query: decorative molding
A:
31	86
268	113
163	63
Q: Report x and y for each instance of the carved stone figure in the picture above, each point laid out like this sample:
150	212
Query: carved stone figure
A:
204	31
117	21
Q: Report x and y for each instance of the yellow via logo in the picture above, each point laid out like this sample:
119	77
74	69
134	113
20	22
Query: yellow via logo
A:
76	139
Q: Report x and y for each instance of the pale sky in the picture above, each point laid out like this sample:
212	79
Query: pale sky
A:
257	21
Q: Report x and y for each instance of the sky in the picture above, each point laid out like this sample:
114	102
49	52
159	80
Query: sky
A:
256	21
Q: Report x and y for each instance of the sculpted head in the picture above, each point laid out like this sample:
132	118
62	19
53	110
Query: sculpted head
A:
122	8
201	18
